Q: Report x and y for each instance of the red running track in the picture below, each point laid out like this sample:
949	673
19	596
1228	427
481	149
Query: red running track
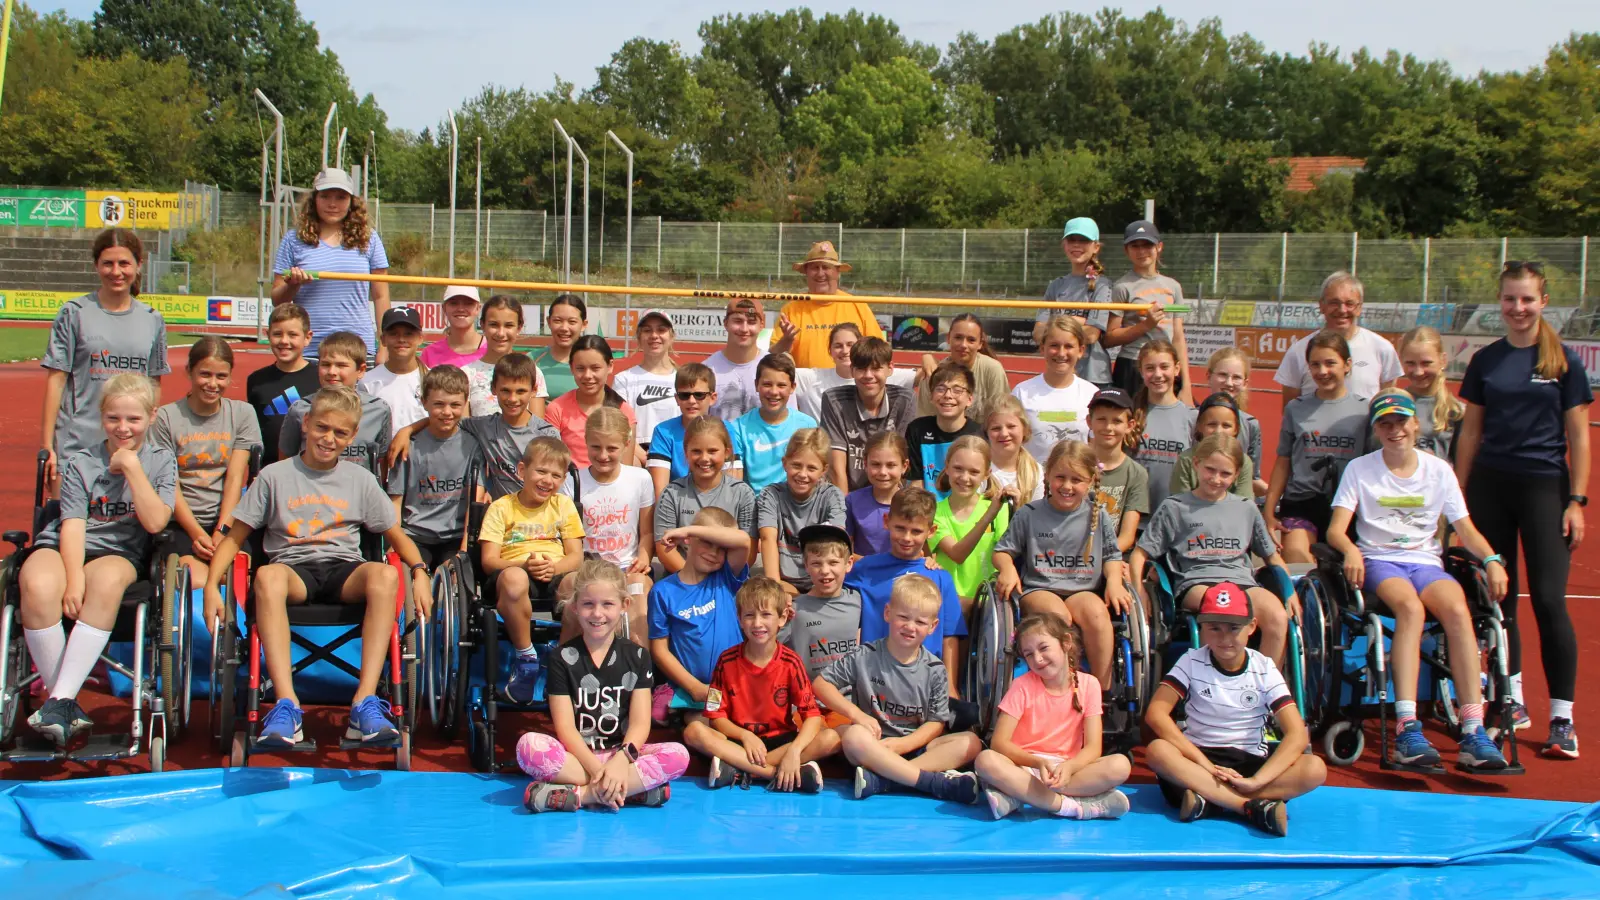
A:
23	386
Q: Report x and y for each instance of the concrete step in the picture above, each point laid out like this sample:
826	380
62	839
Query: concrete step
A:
64	254
40	243
37	282
46	265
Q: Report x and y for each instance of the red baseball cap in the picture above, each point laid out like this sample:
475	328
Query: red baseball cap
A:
1227	603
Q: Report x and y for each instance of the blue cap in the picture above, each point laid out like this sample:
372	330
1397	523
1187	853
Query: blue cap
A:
1393	405
1083	226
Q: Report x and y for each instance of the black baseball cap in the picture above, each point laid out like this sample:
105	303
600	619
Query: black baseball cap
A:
824	532
401	315
1142	230
1111	397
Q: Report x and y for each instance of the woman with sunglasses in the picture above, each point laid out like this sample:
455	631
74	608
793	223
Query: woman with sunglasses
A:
1522	456
1374	364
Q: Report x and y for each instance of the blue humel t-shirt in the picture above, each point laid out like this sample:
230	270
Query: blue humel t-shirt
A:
1523	415
873	578
699	621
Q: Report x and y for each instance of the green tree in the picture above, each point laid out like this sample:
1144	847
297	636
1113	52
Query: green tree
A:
1425	173
872	111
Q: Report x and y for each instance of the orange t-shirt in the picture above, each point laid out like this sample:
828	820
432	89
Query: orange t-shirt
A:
815	318
1046	722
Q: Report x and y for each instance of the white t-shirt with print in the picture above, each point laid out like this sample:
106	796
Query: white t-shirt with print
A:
611	513
1058	414
653	398
1398	518
480	396
1373	363
403	393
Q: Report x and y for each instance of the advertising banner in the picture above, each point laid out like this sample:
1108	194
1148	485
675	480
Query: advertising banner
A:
177	309
1205	340
915	333
27	208
129	209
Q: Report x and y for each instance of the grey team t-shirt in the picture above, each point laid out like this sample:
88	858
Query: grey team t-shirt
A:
1095	365
92	492
1125	489
1136	288
900	696
91	345
502	447
312	515
1168	431
680	502
1252	440
204	445
1205	542
1320	437
374	428
824	629
1429	439
431	481
777	508
1048	546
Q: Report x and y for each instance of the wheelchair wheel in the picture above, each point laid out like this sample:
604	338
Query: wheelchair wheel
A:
1319	643
13	695
225	659
479	750
410	657
992	657
172	647
445	675
1343	742
158	753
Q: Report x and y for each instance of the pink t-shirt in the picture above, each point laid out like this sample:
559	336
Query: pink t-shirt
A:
564	413
1047	723
439	353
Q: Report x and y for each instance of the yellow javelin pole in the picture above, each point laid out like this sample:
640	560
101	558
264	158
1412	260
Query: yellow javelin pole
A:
5	42
764	296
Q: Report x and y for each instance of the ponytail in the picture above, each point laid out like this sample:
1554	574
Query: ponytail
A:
1552	365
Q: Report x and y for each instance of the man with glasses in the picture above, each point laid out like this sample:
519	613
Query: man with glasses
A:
1374	364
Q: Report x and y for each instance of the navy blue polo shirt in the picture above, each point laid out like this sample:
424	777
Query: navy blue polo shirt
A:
1523	415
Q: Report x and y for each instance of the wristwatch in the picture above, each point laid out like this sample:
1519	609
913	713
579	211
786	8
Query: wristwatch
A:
631	752
1579	499
420	567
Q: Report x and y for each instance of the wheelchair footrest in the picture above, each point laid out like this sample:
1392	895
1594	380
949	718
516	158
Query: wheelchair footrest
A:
1389	765
347	744
306	746
98	747
1492	773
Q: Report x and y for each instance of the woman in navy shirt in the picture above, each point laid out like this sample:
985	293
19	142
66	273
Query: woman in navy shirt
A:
1523	459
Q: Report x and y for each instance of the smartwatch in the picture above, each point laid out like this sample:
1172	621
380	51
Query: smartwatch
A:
631	752
1579	499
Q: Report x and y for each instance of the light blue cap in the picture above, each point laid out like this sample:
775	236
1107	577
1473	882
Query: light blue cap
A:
1083	226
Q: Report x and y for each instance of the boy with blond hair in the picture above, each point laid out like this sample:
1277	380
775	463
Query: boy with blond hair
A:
898	705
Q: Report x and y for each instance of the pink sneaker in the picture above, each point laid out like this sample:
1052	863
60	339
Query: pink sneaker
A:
660	698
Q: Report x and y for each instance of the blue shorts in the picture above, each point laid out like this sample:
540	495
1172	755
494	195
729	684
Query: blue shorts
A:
1419	574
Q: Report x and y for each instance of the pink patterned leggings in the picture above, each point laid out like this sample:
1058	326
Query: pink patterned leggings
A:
542	756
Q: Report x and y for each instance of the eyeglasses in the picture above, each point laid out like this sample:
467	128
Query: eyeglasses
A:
953	389
693	395
1518	266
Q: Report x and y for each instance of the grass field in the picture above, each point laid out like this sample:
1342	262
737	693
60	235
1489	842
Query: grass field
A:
18	343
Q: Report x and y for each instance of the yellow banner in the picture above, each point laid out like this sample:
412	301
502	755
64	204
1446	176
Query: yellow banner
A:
176	309
129	209
1235	312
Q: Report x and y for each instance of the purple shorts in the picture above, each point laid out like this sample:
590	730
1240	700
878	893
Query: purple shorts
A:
1419	574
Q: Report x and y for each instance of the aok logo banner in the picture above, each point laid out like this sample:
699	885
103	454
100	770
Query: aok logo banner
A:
24	207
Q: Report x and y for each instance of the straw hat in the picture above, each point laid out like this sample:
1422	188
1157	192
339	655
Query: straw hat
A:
822	252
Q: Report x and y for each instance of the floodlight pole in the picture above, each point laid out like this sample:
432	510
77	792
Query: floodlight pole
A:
627	253
455	137
566	241
277	199
339	157
327	123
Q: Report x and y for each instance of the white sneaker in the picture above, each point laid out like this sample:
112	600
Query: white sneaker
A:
1110	805
1000	805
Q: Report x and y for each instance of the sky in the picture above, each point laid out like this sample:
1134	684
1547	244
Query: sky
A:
421	57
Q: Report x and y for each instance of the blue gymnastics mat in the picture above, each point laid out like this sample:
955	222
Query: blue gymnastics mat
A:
271	833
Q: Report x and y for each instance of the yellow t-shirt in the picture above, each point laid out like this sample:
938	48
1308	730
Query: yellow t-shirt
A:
522	530
815	318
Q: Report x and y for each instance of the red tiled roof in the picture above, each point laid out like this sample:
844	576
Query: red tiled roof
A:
1306	171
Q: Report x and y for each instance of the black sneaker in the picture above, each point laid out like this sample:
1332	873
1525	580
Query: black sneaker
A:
721	775
656	796
1271	816
60	720
810	778
961	787
1193	807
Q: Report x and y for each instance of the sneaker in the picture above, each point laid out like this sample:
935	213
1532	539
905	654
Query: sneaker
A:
281	728
1479	753
1411	747
544	797
652	798
1000	805
1193	807
370	722
810	778
961	787
868	783
1563	742
721	775
1521	721
61	719
1110	805
1271	816
660	703
524	679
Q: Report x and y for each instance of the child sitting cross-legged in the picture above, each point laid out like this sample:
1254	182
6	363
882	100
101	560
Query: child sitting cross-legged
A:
599	692
1046	745
758	692
528	540
898	705
1219	757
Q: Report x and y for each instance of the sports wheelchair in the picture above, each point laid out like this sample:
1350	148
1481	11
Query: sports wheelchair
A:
237	683
994	660
1347	638
154	617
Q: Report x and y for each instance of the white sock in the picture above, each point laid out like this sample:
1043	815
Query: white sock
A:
45	646
528	652
83	651
1516	688
1561	709
1070	808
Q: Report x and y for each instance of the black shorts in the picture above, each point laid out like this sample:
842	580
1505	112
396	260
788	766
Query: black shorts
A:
1316	510
324	579
1246	764
537	590
435	553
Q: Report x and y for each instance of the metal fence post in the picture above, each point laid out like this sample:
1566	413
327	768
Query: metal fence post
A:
719	250
902	254
1427	264
488	231
780	251
430	227
1355	237
1216	261
544	233
1283	274
839	245
1024	259
1505	245
1583	272
658	245
963	259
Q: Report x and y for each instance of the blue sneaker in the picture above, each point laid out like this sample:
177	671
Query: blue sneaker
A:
370	722
281	727
1411	748
868	783
1479	753
524	679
